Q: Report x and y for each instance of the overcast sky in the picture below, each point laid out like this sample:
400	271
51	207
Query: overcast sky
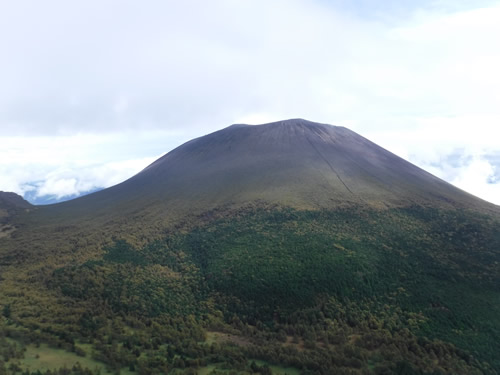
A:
93	91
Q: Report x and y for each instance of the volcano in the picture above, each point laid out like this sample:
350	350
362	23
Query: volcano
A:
296	163
289	247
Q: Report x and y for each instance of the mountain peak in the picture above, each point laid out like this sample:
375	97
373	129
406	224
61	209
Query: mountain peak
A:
296	163
290	123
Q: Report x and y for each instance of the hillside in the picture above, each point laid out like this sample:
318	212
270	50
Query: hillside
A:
291	247
11	205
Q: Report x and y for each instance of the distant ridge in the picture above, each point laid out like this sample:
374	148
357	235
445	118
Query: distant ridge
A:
11	204
10	200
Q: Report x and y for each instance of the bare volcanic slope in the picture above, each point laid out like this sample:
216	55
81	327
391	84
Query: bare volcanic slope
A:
297	163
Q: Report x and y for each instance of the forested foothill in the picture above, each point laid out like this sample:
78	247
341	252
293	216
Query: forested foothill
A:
352	291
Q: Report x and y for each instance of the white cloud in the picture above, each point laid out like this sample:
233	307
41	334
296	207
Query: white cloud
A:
70	182
69	165
456	149
59	187
474	178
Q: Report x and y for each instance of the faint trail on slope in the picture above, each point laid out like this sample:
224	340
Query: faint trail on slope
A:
329	164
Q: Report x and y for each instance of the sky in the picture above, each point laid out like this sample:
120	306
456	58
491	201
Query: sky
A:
91	91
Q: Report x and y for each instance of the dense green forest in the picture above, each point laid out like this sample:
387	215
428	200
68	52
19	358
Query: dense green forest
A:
270	290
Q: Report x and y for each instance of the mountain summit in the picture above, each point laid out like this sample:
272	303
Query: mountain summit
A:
296	163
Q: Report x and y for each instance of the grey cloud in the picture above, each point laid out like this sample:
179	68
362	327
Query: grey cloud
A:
494	160
456	159
495	179
70	63
175	64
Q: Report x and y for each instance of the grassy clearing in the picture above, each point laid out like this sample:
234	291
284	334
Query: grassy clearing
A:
45	358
